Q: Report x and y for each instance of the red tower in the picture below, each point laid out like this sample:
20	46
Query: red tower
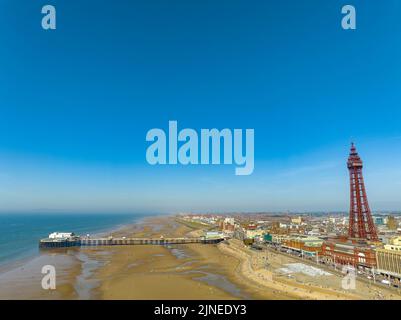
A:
360	218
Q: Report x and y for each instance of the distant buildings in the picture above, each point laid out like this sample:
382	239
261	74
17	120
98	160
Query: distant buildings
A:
378	220
227	225
204	219
296	220
321	237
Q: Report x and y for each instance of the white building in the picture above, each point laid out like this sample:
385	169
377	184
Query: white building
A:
229	220
61	235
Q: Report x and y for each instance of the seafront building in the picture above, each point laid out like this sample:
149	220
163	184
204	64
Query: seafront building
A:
348	252
389	259
306	245
389	262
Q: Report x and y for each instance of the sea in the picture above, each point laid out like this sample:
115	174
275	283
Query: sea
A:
20	233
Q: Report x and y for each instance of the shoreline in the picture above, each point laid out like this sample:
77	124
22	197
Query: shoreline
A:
228	270
12	272
25	257
33	252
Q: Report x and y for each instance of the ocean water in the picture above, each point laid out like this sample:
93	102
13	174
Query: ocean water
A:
20	233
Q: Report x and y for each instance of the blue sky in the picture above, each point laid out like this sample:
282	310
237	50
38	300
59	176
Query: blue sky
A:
76	103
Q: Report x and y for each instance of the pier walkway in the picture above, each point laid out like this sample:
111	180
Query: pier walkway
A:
81	242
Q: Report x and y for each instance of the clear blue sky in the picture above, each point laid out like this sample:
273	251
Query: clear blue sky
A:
76	103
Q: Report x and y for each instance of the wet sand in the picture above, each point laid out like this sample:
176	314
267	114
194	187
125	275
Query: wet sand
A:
192	271
24	281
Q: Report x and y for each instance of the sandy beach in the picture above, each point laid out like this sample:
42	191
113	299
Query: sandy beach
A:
23	280
228	270
164	272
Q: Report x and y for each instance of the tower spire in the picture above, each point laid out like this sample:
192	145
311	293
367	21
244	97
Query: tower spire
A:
360	218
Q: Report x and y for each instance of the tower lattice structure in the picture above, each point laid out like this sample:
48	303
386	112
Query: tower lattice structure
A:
360	217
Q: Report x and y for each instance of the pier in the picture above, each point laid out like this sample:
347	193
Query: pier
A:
83	242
